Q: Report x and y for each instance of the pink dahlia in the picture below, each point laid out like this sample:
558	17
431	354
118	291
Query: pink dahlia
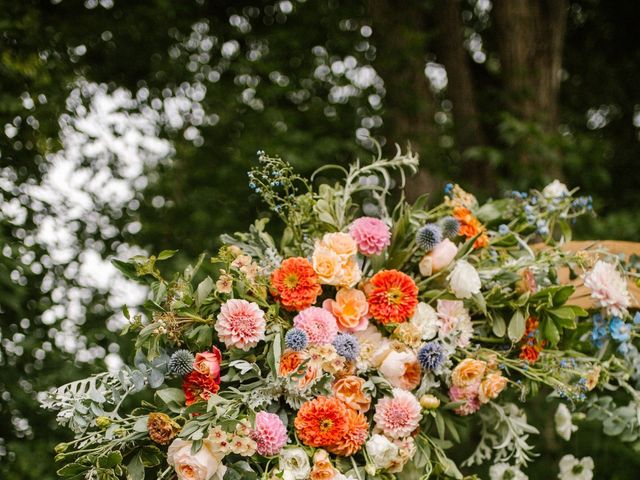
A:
371	234
319	325
240	324
269	433
468	395
608	287
398	416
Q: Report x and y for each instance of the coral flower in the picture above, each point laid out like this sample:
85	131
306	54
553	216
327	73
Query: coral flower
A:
208	363
393	297
468	395
352	441
295	284
398	416
470	226
468	372
350	309
290	363
349	390
322	422
197	387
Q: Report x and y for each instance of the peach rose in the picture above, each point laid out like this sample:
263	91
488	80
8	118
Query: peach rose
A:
401	369
350	309
468	372
322	468
491	386
327	264
208	363
341	243
442	255
349	390
204	465
290	362
351	274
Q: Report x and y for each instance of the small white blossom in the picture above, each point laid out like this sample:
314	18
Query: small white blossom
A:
562	420
555	189
425	319
294	464
572	468
504	471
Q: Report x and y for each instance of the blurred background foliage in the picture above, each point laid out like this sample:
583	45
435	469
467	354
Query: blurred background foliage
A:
129	126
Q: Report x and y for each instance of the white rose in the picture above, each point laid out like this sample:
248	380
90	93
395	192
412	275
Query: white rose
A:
382	451
562	420
464	280
425	319
555	189
394	368
204	465
294	464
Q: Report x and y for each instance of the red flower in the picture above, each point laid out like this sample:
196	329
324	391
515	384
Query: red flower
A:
198	387
295	284
393	296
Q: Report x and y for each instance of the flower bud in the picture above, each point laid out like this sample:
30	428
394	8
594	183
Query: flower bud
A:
103	422
429	402
61	447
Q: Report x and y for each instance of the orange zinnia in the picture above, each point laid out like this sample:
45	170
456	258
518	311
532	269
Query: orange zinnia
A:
470	226
393	296
356	435
295	284
322	421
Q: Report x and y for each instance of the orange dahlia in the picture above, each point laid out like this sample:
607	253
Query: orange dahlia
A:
470	226
322	421
295	284
393	296
352	441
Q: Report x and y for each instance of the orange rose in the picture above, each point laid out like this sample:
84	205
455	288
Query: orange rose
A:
491	386
290	362
350	308
322	468
468	372
341	243
349	390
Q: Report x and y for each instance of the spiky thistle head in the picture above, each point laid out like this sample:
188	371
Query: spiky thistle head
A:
428	237
296	339
450	227
181	362
347	346
431	356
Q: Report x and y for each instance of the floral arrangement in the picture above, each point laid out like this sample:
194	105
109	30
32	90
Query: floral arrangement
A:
362	341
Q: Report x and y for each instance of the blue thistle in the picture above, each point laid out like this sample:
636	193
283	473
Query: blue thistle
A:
428	237
181	362
347	346
296	339
431	356
450	227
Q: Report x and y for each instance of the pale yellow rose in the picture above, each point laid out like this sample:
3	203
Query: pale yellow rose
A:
340	243
206	464
468	372
327	264
350	274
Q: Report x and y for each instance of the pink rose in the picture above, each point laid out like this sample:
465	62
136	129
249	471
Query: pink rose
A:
442	255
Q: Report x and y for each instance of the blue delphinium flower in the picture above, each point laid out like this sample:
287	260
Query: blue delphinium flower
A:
347	346
600	331
448	188
431	356
296	339
428	237
504	229
636	318
620	331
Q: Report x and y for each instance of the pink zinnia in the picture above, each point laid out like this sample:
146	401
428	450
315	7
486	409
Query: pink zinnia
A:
470	397
398	416
240	324
319	325
269	433
608	287
371	234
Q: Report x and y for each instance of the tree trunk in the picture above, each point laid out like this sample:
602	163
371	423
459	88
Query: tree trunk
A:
401	57
530	42
451	53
